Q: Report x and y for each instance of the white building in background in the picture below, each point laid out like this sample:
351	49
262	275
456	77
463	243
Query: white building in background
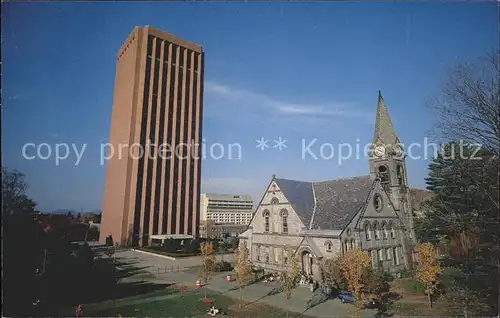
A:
226	208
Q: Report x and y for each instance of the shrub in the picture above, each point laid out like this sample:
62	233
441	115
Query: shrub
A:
171	246
414	287
191	247
403	274
388	276
233	242
223	266
377	282
109	241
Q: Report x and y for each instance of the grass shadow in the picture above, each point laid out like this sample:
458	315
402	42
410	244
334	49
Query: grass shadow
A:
272	292
255	280
125	262
385	304
318	297
123	290
236	287
96	288
131	271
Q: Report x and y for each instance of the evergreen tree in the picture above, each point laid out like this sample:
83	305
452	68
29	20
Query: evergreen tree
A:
464	214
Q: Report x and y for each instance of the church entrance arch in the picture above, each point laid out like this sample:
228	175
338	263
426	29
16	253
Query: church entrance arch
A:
306	262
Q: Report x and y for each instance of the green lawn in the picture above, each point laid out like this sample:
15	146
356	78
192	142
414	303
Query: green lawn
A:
190	305
401	308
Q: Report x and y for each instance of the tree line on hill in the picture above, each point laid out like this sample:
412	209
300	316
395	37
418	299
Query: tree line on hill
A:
42	269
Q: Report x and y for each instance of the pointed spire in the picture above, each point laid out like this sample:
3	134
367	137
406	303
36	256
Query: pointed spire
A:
274	177
384	131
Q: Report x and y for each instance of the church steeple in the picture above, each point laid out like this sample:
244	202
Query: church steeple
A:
384	131
387	165
387	160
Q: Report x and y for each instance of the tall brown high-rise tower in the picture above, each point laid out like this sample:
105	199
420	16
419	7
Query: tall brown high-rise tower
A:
157	108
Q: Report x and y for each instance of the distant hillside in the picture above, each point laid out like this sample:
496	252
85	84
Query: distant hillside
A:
418	197
63	211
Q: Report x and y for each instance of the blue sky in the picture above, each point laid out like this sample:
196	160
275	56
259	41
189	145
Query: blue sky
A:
300	71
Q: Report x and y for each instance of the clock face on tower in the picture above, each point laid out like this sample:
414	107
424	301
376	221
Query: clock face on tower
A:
379	151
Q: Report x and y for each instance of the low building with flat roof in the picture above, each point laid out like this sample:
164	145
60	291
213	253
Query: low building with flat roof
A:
210	229
226	208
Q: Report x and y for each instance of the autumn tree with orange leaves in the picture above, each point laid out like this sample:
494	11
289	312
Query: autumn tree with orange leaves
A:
242	269
207	264
427	269
353	265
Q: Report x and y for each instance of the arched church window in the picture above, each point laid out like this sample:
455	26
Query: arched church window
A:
376	230
400	174
367	229
284	220
377	202
385	230
405	207
329	246
392	230
257	252
266	215
275	201
383	174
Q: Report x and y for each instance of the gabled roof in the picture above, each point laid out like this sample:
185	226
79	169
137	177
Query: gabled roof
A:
308	242
328	205
300	196
338	201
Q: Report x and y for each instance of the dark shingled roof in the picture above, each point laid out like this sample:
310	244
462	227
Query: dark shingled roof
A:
300	196
337	201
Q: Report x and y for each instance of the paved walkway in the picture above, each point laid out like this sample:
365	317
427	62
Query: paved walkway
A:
160	269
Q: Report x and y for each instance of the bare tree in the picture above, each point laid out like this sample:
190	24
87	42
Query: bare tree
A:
468	106
291	275
14	199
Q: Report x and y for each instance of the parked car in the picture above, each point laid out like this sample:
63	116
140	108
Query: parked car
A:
349	298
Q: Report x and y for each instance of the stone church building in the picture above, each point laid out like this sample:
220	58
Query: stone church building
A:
321	220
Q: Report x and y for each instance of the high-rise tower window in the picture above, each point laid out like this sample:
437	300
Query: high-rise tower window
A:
144	115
